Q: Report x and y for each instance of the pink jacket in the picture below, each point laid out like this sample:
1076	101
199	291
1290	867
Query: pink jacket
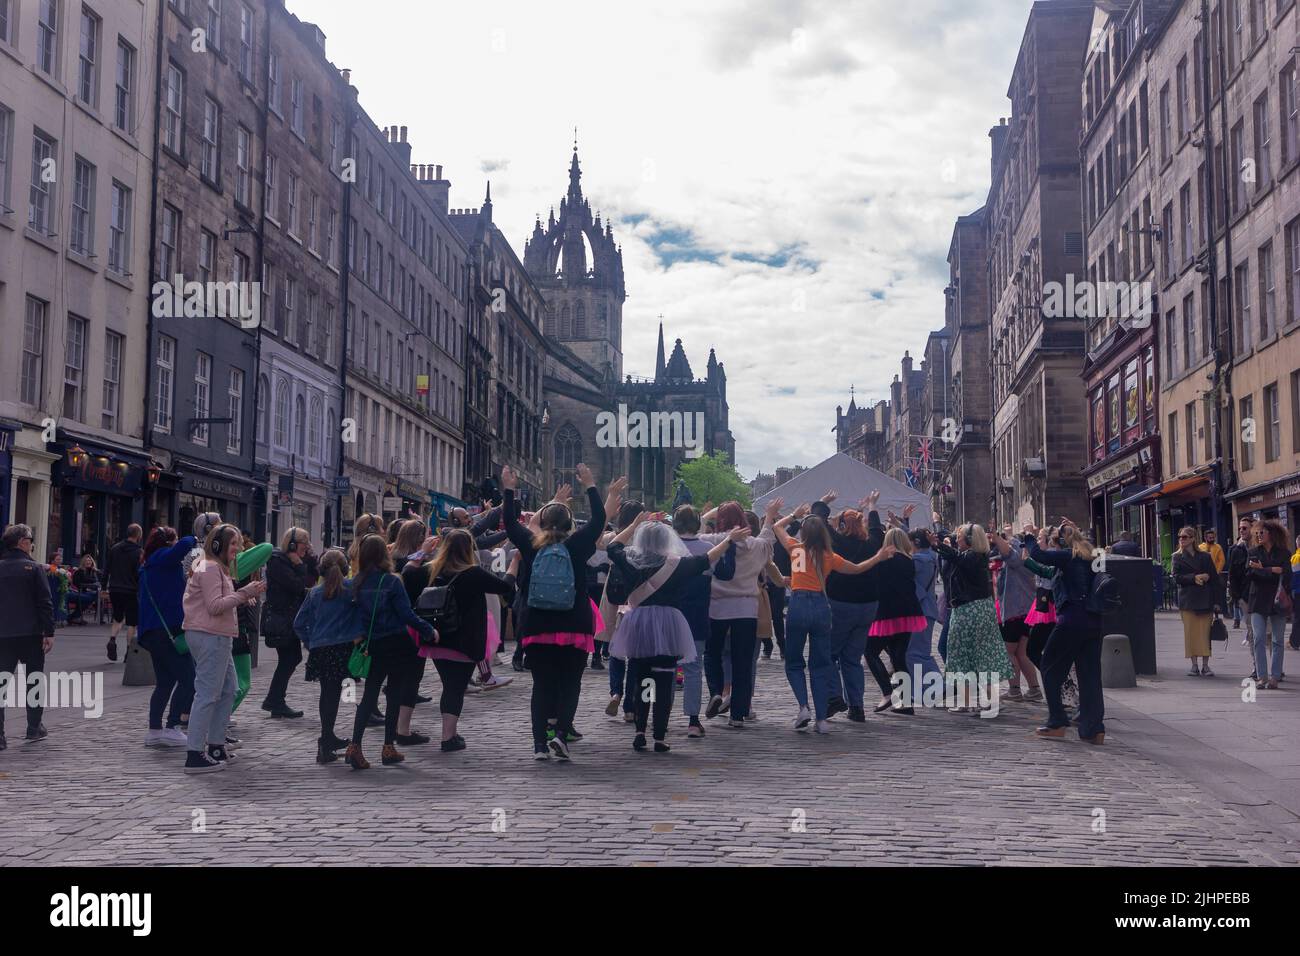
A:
211	599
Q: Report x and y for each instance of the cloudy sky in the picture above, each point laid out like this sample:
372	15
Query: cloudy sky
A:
783	175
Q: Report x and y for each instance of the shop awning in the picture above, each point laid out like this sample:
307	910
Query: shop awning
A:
1166	489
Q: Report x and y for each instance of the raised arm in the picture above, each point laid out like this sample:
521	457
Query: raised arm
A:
584	539
517	533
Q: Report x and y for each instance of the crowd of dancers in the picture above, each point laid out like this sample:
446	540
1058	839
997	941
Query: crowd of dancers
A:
689	600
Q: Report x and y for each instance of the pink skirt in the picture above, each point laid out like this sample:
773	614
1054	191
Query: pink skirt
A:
897	625
1036	616
569	638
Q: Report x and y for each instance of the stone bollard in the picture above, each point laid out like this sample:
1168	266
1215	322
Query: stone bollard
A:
1117	662
137	666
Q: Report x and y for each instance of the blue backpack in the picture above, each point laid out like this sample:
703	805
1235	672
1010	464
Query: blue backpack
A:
550	585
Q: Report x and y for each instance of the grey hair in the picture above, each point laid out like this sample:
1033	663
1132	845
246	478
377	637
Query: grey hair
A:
15	533
653	543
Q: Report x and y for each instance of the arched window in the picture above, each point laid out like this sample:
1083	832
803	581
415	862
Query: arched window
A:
566	328
263	409
300	426
282	415
331	436
580	322
568	452
314	431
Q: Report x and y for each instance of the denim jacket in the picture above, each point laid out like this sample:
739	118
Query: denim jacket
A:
322	623
384	597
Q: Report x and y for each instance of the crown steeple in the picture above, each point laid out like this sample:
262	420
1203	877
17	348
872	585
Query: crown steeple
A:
661	367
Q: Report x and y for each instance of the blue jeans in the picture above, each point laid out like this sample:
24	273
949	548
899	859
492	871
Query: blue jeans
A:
809	621
943	641
174	679
920	655
692	682
850	624
1259	626
215	684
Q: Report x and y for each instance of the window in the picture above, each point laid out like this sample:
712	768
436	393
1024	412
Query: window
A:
1263	146
124	93
293	204
74	369
173	116
1171	343
202	397
47	36
242	270
263	409
235	410
1190	353
282	415
1236	33
82	239
1272	423
1173	441
1166	121
272	194
88	58
32	384
308	319
1290	115
165	366
1189	422
1184	100
331	227
289	328
112	397
119	229
214	24
295	105
327	335
243	167
314	434
1166	250
209	154
1237	142
207	256
1249	430
169	237
246	42
300	427
1185	210
1267	293
6	21
1293	271
6	145
41	197
1259	19
1295	411
311	221
273	83
1241	280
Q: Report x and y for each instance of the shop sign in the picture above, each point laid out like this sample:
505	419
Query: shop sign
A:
1288	490
214	488
1112	472
412	492
98	473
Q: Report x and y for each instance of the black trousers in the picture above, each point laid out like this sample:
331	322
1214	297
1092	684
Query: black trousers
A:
455	677
557	684
392	659
896	647
30	651
662	672
331	692
1077	647
743	632
288	659
1038	635
412	690
776	599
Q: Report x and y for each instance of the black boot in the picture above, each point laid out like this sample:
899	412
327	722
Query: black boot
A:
324	752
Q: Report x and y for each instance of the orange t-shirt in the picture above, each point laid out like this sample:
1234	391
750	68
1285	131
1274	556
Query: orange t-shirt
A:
803	571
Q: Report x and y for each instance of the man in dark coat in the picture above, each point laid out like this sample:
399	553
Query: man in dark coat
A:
27	624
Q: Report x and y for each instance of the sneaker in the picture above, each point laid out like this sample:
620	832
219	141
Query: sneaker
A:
519	666
160	738
220	754
559	748
1034	693
473	688
715	706
1272	683
493	682
375	720
572	736
638	742
422	699
37	733
541	755
835	705
696	729
661	747
615	702
196	761
1050	733
1206	672
112	648
233	742
803	720
1014	694
822	727
736	723
455	743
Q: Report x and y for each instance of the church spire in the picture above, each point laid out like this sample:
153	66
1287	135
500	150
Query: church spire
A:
575	175
487	202
660	365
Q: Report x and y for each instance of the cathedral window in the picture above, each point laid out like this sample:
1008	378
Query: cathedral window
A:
566	329
580	322
568	452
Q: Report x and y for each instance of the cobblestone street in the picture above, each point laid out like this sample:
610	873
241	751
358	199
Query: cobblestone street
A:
934	788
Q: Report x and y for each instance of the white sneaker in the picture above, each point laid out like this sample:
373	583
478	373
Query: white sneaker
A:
156	738
496	681
803	720
473	689
175	737
822	727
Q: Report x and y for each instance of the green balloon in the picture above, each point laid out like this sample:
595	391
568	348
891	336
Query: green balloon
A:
248	563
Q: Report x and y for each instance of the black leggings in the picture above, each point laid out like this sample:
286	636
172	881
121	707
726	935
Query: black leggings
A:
557	683
392	658
896	647
413	682
455	677
1038	635
662	671
776	598
331	691
289	659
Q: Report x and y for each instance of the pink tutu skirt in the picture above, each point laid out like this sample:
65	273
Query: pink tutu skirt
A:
897	625
1036	616
569	638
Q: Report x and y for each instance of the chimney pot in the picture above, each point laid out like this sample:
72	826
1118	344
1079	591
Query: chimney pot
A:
347	76
439	168
403	134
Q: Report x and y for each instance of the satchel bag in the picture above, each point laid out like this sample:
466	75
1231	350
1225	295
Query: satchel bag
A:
359	659
1218	630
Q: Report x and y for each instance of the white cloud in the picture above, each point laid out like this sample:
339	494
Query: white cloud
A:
834	142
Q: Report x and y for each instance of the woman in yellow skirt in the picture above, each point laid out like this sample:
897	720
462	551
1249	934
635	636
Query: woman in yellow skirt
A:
1198	583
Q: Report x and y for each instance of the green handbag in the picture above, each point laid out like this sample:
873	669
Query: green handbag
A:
359	660
178	640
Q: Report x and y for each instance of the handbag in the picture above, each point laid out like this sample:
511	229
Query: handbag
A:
359	659
1218	630
178	639
1283	603
438	605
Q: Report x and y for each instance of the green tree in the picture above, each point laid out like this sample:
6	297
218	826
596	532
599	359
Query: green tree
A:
713	478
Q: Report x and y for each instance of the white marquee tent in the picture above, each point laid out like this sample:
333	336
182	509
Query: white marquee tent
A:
853	481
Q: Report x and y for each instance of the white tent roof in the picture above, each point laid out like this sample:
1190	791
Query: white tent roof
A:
853	481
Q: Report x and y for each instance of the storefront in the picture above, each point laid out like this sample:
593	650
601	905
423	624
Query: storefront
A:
442	505
201	490
1279	500
1115	490
299	502
96	493
1179	503
413	499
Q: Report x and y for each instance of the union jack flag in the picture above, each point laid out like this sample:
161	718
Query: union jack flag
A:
925	449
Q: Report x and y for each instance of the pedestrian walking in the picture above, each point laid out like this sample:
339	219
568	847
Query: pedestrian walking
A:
1017	589
124	587
27	625
1269	601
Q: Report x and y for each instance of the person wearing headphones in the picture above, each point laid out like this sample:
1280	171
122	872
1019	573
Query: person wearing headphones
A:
202	525
287	583
211	625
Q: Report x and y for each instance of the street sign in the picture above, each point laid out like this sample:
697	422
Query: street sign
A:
342	485
392	503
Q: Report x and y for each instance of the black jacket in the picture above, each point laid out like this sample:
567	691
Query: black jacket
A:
1238	582
581	545
124	566
896	579
676	591
1263	584
469	586
969	580
856	588
286	589
25	597
1193	596
1127	549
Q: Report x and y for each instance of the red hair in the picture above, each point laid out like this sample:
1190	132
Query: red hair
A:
730	516
851	524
